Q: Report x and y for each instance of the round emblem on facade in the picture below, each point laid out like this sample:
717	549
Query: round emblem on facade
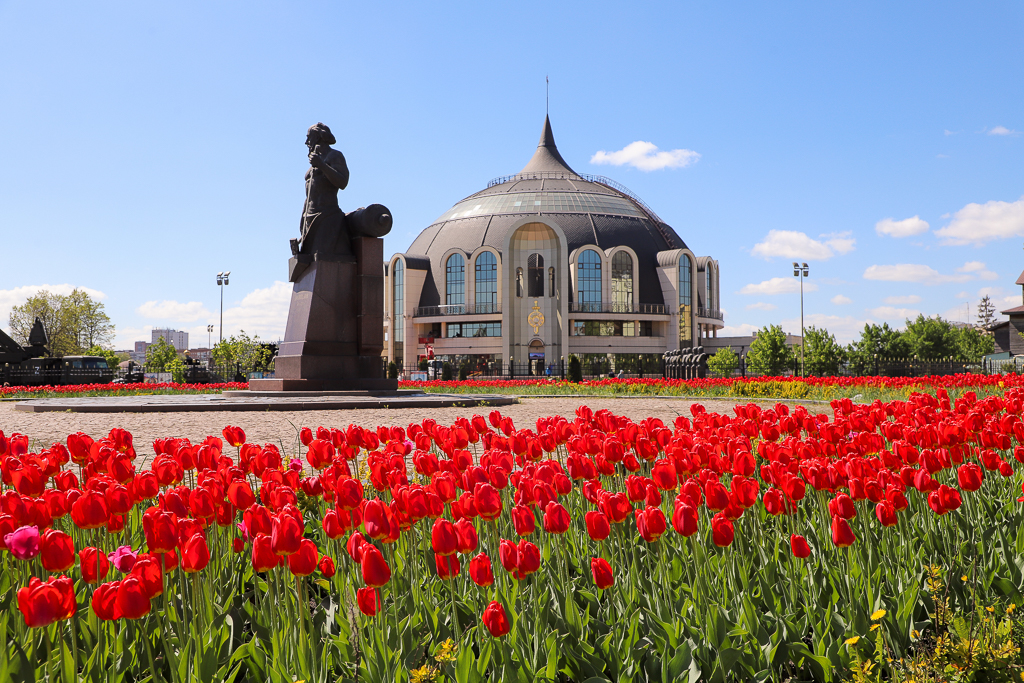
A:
536	318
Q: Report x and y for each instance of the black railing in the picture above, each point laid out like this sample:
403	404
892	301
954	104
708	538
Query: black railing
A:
606	307
712	313
456	309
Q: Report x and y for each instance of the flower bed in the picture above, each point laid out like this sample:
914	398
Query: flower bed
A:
134	389
766	544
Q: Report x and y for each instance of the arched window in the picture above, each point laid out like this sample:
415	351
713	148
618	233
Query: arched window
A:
486	283
588	281
535	275
551	281
519	282
709	272
622	282
685	301
455	281
398	309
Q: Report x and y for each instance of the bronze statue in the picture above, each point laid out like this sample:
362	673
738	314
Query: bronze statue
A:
322	228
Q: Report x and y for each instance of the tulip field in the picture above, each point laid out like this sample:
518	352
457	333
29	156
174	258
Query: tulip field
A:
882	542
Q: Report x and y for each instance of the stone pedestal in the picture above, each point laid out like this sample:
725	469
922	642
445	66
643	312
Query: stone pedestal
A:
335	331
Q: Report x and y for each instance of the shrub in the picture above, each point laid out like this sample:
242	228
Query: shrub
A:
575	369
392	370
723	362
463	371
769	354
446	372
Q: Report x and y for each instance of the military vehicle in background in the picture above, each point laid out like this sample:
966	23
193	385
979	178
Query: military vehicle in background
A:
28	365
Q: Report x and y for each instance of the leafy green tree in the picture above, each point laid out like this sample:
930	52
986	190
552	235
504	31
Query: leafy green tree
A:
769	354
876	343
176	366
932	338
112	358
972	344
249	353
73	322
824	354
724	362
159	355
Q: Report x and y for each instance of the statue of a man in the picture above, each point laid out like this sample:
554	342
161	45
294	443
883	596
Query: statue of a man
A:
322	229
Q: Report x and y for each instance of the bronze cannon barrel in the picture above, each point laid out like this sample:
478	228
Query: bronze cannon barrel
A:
369	221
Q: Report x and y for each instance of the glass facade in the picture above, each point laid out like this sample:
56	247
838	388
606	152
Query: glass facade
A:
543	202
685	302
486	283
709	271
473	330
551	281
622	282
535	275
612	328
519	282
588	281
455	281
398	309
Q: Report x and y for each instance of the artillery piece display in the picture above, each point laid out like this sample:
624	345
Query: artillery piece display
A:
686	363
30	366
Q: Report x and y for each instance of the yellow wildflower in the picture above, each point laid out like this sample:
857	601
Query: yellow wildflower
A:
446	651
964	578
991	609
852	640
424	674
1011	608
874	626
877	614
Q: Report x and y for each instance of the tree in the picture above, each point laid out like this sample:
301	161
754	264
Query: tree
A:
723	362
931	338
73	322
986	311
769	354
159	355
972	344
248	353
876	343
824	354
575	373
112	358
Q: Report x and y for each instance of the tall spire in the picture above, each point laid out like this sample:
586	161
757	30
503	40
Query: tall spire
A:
547	159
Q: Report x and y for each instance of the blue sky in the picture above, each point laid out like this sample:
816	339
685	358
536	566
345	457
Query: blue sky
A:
144	147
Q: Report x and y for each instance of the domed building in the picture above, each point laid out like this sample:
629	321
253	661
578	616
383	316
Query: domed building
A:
543	264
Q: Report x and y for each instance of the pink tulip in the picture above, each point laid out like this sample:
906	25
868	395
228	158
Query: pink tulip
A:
123	558
23	542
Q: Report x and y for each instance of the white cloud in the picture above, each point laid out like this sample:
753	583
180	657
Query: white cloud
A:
903	228
9	298
978	269
901	300
262	311
840	300
646	157
744	330
844	328
761	306
778	285
912	272
1002	130
174	311
841	242
892	313
792	245
980	223
948	132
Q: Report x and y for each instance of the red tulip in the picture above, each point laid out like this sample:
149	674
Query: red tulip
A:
842	534
377	517
104	601
327	567
237	544
57	551
523	520
376	571
508	554
195	554
42	604
886	513
650	522
842	505
161	530
529	559
721	530
303	563
93	561
598	527
798	544
354	546
369	601
495	619
132	601
684	519
602	571
969	476
147	570
286	535
556	518
480	570
263	556
332	525
448	566
616	507
443	538
90	511
487	500
240	494
234	436
467	538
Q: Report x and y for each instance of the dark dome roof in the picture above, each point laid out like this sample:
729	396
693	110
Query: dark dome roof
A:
589	209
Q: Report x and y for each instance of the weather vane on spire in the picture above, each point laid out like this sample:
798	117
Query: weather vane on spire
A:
547	96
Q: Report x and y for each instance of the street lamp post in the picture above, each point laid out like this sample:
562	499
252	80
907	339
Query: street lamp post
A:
801	271
209	336
222	279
